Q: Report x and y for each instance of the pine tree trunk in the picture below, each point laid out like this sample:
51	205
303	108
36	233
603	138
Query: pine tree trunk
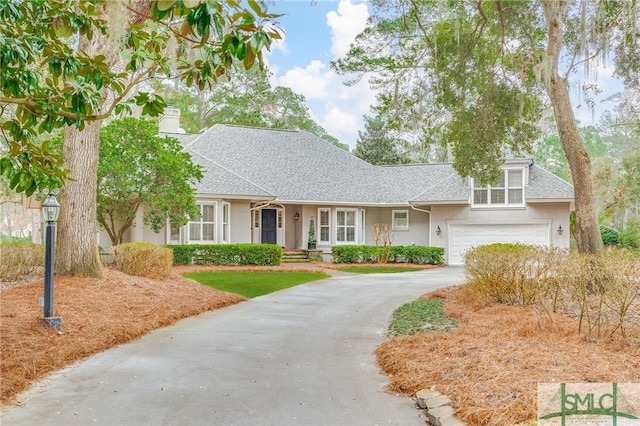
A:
77	241
587	228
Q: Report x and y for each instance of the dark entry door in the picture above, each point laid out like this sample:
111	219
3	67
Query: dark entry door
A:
269	226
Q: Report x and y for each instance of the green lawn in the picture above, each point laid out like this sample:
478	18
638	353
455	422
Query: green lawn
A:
253	284
377	269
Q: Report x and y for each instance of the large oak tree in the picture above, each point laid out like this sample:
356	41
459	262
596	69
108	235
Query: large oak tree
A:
477	74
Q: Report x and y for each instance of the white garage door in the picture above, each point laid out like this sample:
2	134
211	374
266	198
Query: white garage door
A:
464	237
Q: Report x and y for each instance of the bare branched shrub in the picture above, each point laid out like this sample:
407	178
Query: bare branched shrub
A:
17	259
602	291
143	259
382	231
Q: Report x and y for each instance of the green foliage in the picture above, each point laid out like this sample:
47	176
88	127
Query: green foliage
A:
143	259
17	259
7	239
253	284
421	316
367	254
227	254
610	236
630	236
311	239
420	255
162	180
246	99
376	145
377	269
440	82
52	84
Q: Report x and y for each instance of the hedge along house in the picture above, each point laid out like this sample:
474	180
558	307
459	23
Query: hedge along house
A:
266	185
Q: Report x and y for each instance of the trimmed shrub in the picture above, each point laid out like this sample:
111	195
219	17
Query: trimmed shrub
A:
143	259
610	236
227	254
17	259
367	254
510	273
421	255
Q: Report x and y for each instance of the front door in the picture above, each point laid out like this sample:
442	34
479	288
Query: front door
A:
269	226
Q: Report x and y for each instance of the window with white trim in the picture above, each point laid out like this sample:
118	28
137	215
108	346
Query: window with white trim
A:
323	226
400	220
346	225
226	207
508	192
203	229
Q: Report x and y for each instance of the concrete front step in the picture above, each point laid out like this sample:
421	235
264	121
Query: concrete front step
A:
295	257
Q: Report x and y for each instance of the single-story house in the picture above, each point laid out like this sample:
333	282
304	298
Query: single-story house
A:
266	185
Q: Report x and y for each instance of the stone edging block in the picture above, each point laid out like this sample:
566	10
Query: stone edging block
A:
439	408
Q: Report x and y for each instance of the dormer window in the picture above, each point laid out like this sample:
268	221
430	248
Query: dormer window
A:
508	192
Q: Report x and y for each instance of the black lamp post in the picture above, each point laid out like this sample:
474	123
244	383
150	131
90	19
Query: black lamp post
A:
50	212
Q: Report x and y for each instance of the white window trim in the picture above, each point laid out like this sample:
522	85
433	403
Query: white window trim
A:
394	226
318	230
225	206
355	226
506	188
200	221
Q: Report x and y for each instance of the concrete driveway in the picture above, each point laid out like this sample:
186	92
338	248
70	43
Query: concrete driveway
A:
302	356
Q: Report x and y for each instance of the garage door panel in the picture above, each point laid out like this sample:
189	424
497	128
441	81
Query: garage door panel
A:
465	237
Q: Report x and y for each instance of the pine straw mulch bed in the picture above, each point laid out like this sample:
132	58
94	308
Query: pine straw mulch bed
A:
490	366
97	313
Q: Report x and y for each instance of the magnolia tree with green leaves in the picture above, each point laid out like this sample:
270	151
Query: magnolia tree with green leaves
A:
141	170
477	75
71	65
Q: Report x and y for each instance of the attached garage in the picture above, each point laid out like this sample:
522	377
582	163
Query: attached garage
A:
466	236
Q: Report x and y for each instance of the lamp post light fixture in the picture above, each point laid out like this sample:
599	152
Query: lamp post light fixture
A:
50	212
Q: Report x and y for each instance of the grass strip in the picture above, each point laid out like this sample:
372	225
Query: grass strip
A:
420	316
253	284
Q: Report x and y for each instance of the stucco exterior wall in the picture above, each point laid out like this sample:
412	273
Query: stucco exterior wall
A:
417	234
556	214
240	221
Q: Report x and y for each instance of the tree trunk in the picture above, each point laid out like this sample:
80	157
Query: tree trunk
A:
587	228
77	241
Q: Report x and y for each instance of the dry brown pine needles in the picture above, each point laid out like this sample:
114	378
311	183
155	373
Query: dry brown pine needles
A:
97	314
491	365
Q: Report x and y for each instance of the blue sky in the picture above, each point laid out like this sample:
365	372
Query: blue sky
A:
317	32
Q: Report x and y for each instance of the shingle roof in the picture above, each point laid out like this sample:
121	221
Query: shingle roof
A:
297	166
544	185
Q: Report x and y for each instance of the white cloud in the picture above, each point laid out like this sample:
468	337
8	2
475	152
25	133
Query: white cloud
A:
336	107
349	20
